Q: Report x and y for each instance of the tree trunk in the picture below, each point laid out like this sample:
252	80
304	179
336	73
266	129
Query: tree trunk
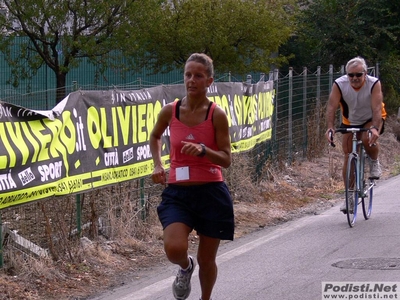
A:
61	92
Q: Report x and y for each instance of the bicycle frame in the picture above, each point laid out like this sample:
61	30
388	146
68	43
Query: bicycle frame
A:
359	152
362	187
356	185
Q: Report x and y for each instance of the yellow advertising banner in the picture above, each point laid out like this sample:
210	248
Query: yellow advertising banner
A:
93	139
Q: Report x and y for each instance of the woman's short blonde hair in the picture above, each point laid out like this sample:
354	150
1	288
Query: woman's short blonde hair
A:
205	60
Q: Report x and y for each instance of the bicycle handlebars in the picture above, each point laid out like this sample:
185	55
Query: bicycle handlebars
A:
346	130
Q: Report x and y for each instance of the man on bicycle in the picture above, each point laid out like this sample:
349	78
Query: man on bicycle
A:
360	98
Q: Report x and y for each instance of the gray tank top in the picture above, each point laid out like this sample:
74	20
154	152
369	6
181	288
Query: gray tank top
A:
356	104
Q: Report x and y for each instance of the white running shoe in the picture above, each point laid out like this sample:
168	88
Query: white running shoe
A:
374	169
343	208
181	287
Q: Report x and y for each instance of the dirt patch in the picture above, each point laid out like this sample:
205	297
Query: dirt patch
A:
300	189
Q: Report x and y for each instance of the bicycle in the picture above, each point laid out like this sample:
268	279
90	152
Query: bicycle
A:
358	189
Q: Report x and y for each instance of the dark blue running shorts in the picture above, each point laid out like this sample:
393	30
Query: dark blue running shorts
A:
207	208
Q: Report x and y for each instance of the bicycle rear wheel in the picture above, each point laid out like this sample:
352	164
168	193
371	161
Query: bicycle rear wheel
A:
351	190
367	200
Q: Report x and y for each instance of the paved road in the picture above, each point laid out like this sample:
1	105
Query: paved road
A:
290	261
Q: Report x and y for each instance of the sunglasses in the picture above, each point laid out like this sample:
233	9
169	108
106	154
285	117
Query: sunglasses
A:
355	74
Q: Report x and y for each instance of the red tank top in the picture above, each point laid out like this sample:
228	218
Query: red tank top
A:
200	168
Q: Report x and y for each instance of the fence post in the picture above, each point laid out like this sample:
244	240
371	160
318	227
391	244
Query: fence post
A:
318	100
78	214
342	71
1	243
248	80
304	112
142	200
331	83
78	196
290	121
276	87
377	70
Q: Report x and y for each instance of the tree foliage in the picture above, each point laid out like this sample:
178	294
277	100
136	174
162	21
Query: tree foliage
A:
337	30
60	34
240	36
334	31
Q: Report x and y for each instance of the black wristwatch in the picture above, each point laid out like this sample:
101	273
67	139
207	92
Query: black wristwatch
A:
203	150
372	127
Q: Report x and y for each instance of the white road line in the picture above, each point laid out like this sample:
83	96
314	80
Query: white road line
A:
264	239
150	290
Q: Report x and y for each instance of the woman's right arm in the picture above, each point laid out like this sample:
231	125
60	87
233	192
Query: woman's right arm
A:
164	117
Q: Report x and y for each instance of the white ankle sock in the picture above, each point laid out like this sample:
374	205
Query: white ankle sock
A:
189	267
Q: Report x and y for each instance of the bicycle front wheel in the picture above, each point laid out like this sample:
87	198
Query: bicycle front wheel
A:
367	200
351	190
